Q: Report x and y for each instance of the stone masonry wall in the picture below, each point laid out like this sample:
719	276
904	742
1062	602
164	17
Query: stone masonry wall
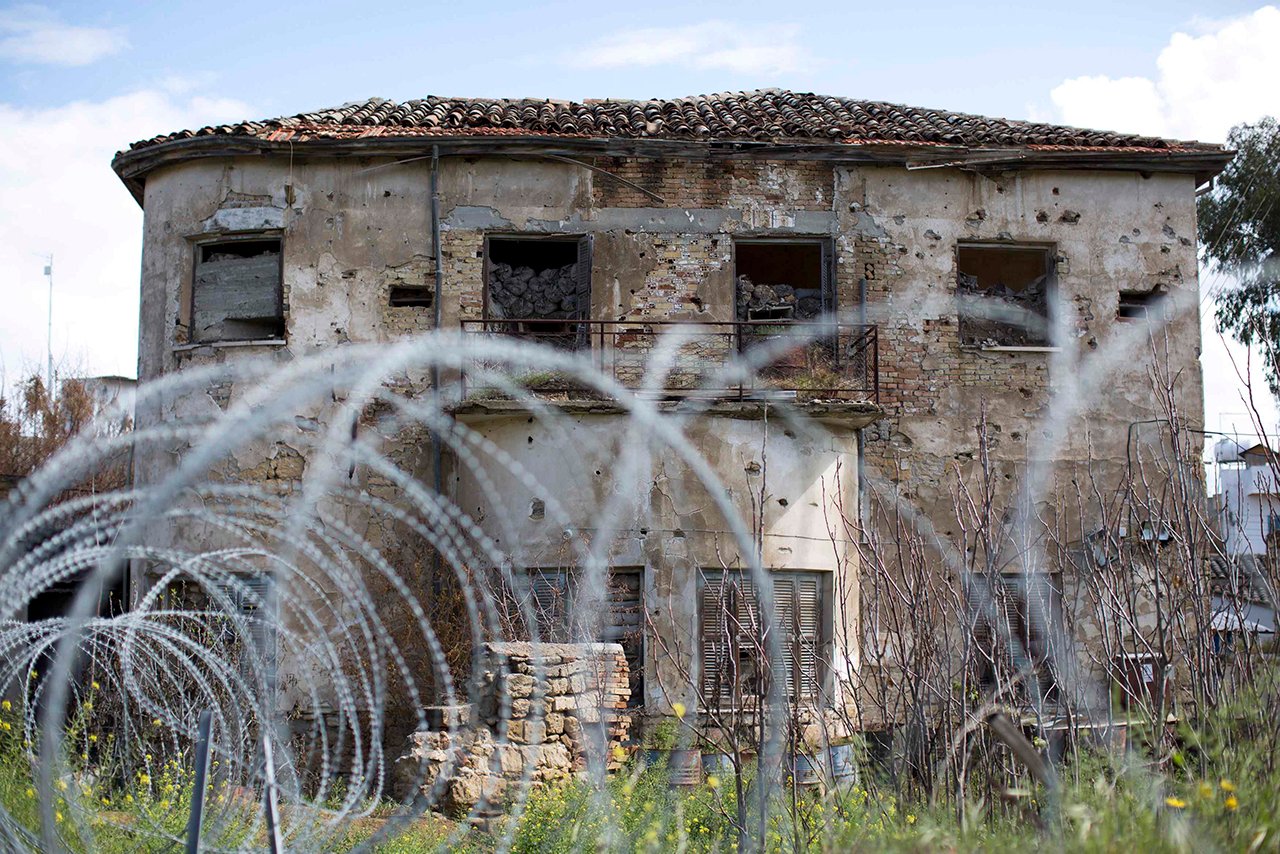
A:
567	709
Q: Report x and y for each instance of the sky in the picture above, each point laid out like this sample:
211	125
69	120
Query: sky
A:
79	81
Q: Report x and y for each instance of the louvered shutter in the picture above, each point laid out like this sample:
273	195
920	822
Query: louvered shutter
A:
829	306
582	282
251	594
750	646
714	609
808	641
783	667
548	595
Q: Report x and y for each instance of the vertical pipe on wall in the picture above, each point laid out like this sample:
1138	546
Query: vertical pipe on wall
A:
437	444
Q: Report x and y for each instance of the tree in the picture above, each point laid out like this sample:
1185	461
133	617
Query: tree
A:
35	425
1240	229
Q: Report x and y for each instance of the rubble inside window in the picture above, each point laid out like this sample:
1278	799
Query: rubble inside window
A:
537	287
235	294
781	281
1004	294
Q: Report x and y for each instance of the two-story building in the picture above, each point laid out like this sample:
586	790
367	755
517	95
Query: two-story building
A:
934	265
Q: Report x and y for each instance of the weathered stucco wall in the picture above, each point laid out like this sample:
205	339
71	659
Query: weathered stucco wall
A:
354	227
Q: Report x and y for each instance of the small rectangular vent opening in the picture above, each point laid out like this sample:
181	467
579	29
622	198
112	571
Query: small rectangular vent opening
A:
411	296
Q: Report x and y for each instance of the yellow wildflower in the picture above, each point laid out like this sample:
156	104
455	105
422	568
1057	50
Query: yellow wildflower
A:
619	754
1227	785
57	816
93	685
679	709
1231	803
1176	803
1205	790
144	779
6	705
164	805
5	725
128	799
88	705
31	793
62	785
713	781
106	802
155	722
93	739
911	819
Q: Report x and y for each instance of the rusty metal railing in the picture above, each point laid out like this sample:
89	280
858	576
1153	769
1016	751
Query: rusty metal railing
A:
813	359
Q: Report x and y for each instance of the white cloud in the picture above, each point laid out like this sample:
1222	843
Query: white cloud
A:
1225	74
703	46
61	196
36	34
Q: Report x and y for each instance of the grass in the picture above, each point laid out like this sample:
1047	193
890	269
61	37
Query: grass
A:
1217	788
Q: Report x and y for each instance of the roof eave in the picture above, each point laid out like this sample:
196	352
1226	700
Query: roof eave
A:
133	166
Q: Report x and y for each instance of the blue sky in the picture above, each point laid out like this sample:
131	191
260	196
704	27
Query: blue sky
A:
994	58
81	80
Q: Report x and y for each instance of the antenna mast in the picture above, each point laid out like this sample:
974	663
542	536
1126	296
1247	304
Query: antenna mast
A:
48	272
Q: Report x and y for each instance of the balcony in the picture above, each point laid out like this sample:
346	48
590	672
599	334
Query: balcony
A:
804	361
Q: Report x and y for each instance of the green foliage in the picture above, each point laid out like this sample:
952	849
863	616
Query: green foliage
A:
1240	230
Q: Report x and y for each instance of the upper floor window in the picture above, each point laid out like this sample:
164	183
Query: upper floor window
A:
235	292
779	281
1004	294
537	287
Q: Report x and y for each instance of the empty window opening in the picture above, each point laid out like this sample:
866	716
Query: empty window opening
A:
1004	295
235	294
411	296
780	281
1139	305
564	613
538	287
734	638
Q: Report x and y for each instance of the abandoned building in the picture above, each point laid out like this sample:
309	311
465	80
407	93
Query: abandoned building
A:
595	226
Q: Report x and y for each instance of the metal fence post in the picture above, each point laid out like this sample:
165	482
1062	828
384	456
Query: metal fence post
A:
203	731
270	805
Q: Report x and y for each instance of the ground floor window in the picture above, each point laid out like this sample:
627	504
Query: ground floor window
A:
564	611
734	643
1017	624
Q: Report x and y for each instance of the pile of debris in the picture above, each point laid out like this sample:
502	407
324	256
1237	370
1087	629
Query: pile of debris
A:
1000	315
522	292
775	302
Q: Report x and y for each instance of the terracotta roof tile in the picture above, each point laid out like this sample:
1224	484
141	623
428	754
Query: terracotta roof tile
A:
768	115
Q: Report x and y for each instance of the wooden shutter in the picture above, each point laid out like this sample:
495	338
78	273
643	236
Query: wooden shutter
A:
829	306
715	605
582	282
251	596
808	639
548	600
626	624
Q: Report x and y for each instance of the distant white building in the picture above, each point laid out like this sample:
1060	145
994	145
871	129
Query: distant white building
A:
1249	497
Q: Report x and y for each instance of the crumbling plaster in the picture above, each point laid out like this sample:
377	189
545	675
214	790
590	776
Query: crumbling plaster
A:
353	227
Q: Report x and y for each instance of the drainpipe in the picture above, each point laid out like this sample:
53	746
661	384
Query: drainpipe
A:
437	444
862	459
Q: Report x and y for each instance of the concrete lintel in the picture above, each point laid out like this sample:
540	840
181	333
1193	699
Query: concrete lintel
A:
640	220
847	414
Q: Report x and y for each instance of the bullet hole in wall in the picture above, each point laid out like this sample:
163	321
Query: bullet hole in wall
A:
537	509
783	502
